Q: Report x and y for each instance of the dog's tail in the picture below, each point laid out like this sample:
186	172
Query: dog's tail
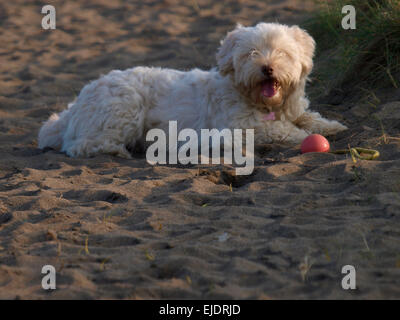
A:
52	132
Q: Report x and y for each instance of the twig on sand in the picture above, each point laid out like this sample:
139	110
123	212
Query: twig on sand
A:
103	264
367	251
149	256
86	247
305	268
196	6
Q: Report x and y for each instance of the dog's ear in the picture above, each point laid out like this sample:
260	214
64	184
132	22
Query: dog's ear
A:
307	46
225	51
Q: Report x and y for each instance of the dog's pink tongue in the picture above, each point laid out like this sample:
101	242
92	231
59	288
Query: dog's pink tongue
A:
268	89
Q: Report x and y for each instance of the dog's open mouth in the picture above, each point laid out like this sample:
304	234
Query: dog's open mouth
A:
269	87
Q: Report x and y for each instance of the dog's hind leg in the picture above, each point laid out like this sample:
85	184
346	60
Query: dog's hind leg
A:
52	131
90	148
108	132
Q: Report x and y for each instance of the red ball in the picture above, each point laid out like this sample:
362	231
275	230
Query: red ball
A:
315	143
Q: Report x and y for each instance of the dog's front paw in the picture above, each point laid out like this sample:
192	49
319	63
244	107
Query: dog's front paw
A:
333	127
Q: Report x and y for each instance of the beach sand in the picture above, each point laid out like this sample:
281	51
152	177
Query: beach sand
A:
123	229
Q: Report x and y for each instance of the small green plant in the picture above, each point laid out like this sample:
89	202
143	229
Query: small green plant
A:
368	56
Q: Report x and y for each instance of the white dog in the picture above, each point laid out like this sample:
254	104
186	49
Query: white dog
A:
259	84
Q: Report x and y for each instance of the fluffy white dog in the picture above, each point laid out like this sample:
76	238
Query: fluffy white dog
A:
259	84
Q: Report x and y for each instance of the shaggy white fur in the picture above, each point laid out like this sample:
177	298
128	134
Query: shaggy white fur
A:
261	69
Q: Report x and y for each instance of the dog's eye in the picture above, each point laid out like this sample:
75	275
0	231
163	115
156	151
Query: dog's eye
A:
253	53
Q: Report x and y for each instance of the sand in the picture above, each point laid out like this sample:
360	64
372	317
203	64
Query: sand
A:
123	229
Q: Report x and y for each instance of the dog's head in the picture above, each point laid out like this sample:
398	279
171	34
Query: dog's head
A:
266	62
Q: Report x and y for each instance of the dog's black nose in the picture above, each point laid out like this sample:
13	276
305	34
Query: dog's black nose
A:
267	70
